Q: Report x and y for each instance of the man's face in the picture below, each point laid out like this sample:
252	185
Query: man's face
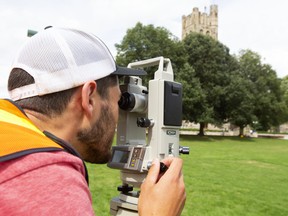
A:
99	138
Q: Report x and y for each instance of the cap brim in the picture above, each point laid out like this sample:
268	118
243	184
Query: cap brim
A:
123	71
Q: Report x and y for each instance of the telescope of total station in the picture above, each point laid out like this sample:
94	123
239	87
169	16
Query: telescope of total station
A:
148	128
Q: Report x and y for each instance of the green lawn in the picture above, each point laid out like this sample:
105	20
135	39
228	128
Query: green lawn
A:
223	176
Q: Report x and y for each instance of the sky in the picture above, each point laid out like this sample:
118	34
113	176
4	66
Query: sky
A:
259	25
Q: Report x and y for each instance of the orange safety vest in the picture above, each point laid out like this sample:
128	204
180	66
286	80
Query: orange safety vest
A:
19	136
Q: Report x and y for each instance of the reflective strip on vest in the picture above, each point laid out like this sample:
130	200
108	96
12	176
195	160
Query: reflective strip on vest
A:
13	119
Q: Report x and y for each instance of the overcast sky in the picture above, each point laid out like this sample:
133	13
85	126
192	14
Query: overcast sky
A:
259	25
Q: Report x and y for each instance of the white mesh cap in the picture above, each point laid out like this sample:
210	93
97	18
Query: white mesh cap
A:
59	59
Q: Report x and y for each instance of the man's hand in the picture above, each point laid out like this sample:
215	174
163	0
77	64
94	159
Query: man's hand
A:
163	194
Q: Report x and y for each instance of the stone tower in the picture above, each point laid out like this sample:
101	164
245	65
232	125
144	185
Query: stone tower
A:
201	22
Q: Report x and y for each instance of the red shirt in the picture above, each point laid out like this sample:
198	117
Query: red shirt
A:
45	183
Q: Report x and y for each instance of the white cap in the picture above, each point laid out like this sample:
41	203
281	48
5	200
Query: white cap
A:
59	59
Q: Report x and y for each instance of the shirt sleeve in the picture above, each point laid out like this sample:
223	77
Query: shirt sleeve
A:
52	186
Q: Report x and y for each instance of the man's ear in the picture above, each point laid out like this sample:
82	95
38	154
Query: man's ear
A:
88	97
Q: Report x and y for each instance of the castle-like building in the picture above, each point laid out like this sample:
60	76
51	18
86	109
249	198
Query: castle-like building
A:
201	22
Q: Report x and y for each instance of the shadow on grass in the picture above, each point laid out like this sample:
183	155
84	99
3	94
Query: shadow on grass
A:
206	138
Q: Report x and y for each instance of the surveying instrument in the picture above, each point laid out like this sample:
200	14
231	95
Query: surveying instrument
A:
148	128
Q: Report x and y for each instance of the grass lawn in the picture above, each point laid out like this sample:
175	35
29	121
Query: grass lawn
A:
223	176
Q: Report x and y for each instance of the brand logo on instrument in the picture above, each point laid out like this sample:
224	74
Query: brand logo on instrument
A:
171	132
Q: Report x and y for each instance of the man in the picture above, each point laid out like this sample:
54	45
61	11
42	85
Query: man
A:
64	87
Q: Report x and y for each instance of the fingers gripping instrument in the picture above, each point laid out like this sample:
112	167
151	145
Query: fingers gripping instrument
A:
148	128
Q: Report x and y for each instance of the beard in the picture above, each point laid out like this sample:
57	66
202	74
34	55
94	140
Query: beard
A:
98	140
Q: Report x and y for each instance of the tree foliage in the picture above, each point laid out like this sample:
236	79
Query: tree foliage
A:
144	42
269	105
241	102
284	87
194	98
212	66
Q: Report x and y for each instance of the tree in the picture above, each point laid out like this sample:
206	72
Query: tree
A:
241	102
212	66
284	87
269	104
194	98
144	42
